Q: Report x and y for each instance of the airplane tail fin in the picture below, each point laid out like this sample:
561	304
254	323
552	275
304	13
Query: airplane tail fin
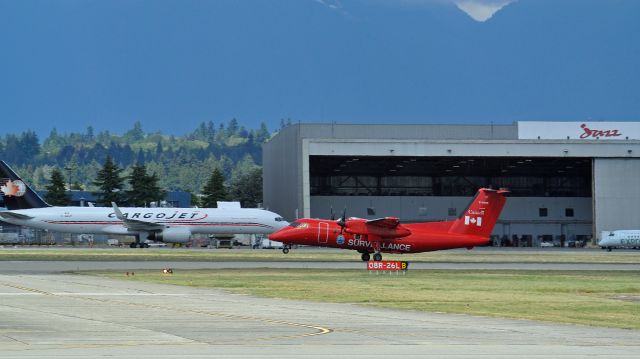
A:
17	194
482	214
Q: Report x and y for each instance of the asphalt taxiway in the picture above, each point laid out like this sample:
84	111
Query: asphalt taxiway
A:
60	315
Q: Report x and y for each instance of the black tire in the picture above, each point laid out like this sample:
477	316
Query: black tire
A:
285	250
377	257
609	249
132	245
365	257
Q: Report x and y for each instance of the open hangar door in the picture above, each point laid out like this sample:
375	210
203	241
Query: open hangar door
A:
550	198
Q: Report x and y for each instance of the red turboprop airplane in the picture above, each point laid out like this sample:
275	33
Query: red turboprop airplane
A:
472	228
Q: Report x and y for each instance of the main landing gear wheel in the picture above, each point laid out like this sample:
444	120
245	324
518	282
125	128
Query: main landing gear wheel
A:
377	257
139	245
365	257
285	250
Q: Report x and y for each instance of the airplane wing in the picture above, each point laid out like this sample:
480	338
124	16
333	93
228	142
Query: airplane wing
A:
386	228
136	224
386	222
11	215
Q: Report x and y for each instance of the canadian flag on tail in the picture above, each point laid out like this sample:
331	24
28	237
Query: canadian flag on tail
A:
472	220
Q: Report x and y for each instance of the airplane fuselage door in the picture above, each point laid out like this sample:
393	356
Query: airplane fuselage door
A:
323	232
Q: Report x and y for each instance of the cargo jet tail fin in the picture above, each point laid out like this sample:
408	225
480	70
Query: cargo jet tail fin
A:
482	214
16	193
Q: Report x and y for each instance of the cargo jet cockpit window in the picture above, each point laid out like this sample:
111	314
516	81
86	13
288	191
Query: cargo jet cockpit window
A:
279	219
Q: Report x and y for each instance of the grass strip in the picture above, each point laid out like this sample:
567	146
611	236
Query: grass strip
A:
314	255
610	299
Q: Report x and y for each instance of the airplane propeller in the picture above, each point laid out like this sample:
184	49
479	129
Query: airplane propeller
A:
342	222
333	215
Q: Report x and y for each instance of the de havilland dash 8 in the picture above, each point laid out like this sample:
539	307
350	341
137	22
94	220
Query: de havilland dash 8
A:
472	228
172	225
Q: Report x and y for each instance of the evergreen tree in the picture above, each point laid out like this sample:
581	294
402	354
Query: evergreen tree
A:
214	190
247	188
109	183
56	192
232	127
135	134
144	187
262	134
140	157
89	135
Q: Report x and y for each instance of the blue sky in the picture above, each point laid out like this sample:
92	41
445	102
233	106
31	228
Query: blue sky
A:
172	64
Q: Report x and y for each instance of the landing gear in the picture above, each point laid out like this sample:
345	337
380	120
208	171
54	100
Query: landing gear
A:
609	249
365	257
377	257
285	250
139	245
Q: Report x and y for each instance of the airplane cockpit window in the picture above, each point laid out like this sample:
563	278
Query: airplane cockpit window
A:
279	219
611	234
299	225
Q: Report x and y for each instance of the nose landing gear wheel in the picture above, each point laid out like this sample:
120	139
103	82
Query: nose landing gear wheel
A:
365	257
285	250
377	257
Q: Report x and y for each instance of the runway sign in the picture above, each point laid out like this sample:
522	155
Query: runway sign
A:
387	265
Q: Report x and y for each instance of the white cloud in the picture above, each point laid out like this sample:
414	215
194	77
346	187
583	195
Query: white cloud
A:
481	10
332	4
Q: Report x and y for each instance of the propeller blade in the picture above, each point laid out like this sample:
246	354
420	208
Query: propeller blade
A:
342	222
333	215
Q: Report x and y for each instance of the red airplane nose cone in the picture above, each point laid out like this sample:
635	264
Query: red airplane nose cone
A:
278	235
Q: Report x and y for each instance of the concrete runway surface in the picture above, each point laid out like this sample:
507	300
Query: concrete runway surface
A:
61	315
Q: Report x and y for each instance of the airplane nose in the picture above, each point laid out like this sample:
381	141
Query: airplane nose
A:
278	235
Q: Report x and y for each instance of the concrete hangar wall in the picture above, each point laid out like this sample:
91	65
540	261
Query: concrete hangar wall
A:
567	178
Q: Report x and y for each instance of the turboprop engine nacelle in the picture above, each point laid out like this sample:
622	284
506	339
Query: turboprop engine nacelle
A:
171	235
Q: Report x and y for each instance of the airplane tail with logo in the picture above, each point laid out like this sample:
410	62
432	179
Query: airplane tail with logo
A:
482	214
16	193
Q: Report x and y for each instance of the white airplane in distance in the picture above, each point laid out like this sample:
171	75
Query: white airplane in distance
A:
171	225
620	239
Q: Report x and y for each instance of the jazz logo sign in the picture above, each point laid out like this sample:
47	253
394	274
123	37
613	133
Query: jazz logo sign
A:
469	220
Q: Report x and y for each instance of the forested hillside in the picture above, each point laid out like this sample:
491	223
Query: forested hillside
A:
180	162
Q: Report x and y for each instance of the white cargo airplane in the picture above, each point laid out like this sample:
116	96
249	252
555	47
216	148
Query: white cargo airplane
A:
620	239
172	225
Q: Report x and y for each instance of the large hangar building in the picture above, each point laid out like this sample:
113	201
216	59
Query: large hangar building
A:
568	180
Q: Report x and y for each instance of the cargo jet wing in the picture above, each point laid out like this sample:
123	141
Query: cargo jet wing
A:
136	224
12	215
